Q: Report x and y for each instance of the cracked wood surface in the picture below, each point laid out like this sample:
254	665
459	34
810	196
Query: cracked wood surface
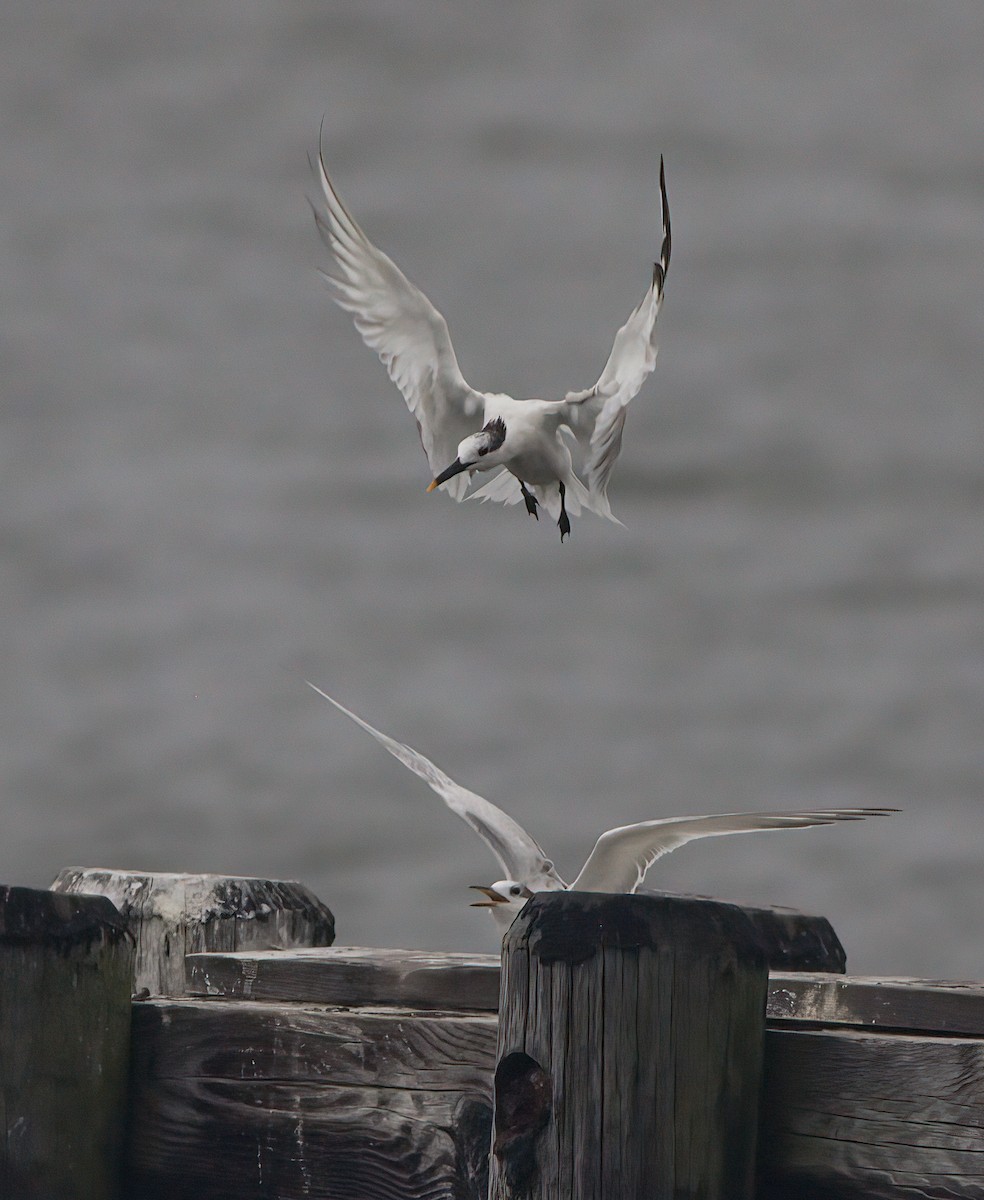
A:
850	1115
171	915
238	1099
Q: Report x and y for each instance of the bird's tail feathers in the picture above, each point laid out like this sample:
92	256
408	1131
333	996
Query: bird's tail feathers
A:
600	504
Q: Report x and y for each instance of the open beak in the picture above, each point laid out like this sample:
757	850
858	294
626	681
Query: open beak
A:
493	897
455	469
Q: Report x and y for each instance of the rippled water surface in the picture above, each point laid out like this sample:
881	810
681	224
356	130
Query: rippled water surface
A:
210	491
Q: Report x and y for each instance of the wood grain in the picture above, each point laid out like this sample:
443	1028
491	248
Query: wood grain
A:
65	967
932	1006
630	1050
352	975
277	1096
245	1099
171	915
359	975
872	1116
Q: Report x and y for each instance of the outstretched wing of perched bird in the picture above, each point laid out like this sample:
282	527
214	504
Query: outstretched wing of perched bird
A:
597	415
517	852
621	857
407	332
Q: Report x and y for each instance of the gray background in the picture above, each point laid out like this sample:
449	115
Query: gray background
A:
210	491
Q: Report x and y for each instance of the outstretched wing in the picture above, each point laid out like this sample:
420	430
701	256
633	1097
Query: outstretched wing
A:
407	332
597	416
621	857
517	852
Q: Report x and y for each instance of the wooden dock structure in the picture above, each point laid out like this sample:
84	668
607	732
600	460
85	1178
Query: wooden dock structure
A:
643	1050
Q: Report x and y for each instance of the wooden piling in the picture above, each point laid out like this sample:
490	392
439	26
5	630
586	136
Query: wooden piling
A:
630	1048
793	940
65	969
171	915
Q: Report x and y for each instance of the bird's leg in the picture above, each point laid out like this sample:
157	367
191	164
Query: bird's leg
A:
531	504
564	522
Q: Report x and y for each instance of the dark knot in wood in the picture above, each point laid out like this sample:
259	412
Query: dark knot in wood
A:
523	1107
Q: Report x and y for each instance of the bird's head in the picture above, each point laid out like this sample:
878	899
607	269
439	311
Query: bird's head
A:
505	900
472	450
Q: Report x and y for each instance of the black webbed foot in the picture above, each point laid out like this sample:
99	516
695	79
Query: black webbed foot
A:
531	501
564	522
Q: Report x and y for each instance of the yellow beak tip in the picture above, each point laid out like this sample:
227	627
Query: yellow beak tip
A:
432	485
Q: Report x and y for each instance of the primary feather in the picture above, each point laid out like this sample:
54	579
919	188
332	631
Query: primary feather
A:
407	332
516	851
621	857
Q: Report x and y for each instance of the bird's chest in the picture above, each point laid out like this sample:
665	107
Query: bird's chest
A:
535	457
532	469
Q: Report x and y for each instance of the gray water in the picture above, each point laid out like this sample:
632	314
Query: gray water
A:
210	491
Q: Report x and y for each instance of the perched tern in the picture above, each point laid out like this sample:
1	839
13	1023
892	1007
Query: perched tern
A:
620	858
464	431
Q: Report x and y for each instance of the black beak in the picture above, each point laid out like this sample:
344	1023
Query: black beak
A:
455	469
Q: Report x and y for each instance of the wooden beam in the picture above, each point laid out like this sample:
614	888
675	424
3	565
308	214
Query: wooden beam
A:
932	1006
630	1050
239	1099
173	915
356	975
872	1116
351	975
281	1094
65	968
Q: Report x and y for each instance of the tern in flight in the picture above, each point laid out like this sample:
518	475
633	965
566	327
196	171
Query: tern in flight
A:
464	431
620	858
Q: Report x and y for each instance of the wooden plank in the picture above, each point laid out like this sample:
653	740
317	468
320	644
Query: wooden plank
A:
65	968
245	1040
238	1099
353	976
616	1013
931	1006
171	915
850	1115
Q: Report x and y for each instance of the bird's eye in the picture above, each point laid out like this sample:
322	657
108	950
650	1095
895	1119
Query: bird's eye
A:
515	891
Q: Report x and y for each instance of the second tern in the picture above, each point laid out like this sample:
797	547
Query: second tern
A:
464	431
620	858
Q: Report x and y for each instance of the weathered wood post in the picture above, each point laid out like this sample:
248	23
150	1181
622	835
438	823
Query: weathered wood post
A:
65	969
171	915
629	1057
793	940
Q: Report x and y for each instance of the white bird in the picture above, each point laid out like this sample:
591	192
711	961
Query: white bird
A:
481	431
620	858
